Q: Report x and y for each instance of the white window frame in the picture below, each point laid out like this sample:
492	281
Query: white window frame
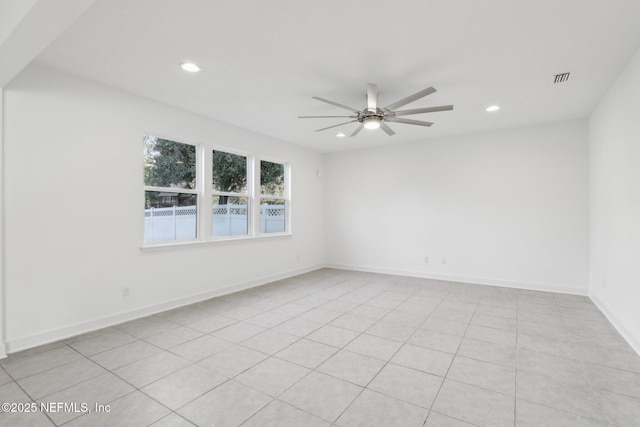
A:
197	191
286	198
248	195
205	193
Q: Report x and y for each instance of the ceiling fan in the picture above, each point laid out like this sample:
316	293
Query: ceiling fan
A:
374	117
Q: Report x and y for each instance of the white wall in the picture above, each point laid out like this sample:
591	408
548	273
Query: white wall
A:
3	349
504	208
74	149
614	134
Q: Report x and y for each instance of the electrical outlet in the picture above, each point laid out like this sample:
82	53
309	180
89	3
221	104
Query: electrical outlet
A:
444	260
125	291
297	257
426	260
604	285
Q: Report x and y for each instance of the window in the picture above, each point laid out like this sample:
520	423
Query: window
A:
273	202
171	196
244	196
230	197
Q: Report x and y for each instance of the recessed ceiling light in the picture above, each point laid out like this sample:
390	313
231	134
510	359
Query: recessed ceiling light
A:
493	108
340	135
190	67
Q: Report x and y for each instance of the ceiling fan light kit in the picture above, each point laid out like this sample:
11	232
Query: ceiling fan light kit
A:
372	117
371	122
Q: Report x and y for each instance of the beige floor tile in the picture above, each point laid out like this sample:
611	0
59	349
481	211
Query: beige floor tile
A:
145	327
488	352
620	410
446	326
280	414
494	321
615	380
59	378
354	322
11	393
321	395
390	330
123	355
307	353
568	371
423	359
270	341
373	409
233	361
211	323
173	336
373	346
268	319
475	405
483	374
529	414
493	335
547	391
183	386
298	327
4	377
200	348
101	390
546	345
150	369
436	340
172	420
238	332
416	387
97	344
272	376
320	315
404	318
135	409
436	419
23	365
352	367
332	335
226	406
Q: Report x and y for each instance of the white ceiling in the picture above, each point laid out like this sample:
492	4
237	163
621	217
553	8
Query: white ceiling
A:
262	60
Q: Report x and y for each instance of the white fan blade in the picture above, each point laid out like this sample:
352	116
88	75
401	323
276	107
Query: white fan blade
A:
410	98
423	110
387	129
353	110
335	126
327	117
358	129
409	121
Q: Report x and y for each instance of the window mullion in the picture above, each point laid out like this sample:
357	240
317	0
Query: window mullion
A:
205	184
171	189
254	197
227	193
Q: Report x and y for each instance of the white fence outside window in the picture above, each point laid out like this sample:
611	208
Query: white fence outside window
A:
179	222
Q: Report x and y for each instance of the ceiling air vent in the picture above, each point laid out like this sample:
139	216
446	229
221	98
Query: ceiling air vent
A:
560	78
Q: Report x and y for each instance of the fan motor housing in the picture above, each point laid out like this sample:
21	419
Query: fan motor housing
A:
368	114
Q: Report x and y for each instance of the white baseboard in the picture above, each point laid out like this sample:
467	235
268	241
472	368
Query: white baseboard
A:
634	342
103	322
546	287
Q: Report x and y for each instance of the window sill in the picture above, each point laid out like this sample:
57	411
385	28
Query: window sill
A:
158	247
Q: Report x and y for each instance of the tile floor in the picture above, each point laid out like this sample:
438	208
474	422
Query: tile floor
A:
340	348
